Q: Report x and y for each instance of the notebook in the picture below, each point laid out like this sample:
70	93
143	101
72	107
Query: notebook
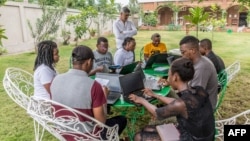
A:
128	68
157	59
113	85
133	83
168	132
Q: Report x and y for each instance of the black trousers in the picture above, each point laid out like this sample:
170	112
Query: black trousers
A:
120	120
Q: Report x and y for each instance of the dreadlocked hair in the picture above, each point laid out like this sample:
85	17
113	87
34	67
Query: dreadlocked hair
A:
45	54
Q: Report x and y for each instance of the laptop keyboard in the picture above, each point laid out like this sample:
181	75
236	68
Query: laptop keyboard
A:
113	97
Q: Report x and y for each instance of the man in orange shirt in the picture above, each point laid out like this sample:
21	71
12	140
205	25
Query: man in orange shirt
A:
155	47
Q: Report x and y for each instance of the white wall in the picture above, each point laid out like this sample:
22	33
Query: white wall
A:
14	17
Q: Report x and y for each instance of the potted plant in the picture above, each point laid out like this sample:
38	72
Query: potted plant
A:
92	32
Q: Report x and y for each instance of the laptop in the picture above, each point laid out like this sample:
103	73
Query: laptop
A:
150	83
128	68
113	85
160	58
171	58
133	83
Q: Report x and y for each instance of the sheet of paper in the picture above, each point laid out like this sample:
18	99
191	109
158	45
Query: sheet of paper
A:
103	82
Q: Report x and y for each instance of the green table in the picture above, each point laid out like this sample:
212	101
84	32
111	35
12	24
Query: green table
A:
123	106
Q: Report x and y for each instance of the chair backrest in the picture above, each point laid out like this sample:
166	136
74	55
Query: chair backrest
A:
242	118
232	70
68	122
142	54
222	78
18	84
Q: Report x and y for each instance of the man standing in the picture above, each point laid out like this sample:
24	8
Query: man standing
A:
123	28
76	90
205	73
206	49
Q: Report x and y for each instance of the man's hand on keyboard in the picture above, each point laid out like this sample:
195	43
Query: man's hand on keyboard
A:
136	99
148	92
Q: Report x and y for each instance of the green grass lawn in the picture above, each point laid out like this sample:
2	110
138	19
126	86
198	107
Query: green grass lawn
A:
16	125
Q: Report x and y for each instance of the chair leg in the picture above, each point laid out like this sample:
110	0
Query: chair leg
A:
39	131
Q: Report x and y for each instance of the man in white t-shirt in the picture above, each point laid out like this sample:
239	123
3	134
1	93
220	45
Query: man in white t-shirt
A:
123	28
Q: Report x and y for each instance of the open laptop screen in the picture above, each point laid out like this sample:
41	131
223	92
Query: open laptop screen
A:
157	58
128	68
113	84
131	82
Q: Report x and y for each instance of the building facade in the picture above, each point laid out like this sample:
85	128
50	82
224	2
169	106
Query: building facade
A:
235	13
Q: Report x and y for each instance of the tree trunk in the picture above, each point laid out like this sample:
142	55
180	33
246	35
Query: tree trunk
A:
197	30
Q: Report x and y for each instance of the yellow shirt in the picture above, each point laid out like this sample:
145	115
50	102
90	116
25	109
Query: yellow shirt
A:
150	49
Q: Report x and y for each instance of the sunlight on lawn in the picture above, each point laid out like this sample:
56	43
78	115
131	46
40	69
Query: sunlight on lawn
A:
16	125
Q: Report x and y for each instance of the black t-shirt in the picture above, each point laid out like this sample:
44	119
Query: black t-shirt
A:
200	123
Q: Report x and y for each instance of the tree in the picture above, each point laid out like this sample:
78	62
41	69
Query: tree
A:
46	26
2	32
107	10
214	20
2	36
134	8
243	2
118	6
2	2
150	19
80	21
196	16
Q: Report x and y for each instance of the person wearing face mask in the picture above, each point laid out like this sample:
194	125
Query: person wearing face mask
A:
125	55
155	47
103	58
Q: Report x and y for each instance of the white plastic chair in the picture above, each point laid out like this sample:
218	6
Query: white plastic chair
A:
64	122
242	118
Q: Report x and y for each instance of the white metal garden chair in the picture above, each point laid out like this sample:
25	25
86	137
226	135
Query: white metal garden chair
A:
67	123
232	70
18	84
241	118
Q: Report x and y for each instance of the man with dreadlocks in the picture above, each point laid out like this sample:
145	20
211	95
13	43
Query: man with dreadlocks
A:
44	71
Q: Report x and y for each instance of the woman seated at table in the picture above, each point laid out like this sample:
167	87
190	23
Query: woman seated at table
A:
125	55
192	109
